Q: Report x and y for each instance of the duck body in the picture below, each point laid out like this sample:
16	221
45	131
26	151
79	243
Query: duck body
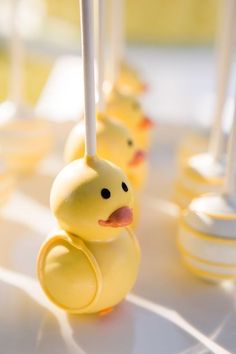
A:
88	277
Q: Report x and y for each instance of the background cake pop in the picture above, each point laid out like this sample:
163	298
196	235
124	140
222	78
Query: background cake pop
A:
204	172
94	256
120	105
7	183
128	80
129	111
115	143
207	235
114	140
24	139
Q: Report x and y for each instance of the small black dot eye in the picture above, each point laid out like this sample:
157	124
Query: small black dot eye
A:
105	193
124	187
130	142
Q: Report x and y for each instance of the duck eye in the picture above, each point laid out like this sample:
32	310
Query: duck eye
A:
130	142
105	193
124	187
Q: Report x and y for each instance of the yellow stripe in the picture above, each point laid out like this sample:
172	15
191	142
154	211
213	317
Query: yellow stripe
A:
205	274
202	180
184	252
221	216
207	237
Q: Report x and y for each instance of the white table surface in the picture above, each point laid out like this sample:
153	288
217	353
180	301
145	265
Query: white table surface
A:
169	310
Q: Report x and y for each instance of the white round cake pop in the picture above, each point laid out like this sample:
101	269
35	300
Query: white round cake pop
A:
207	235
204	172
24	138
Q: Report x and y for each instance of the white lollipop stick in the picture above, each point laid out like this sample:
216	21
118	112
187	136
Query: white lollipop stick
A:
230	178
225	45
16	54
87	42
114	28
100	51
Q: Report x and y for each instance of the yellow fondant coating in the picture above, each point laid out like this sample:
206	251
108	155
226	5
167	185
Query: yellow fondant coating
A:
87	267
128	110
115	143
128	80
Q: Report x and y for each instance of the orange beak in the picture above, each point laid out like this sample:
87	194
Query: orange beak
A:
139	157
119	218
146	123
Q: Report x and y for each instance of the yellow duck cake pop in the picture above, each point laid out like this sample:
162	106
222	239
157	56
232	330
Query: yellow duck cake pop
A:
128	110
92	262
25	140
114	143
128	80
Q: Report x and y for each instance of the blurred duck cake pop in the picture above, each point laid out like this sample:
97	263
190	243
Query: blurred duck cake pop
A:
114	143
204	172
24	140
120	104
207	235
129	81
128	110
91	263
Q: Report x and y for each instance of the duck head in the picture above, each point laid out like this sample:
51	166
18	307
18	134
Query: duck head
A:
92	198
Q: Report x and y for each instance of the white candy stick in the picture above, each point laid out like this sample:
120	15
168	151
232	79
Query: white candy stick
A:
16	55
87	42
114	58
230	178
100	51
225	46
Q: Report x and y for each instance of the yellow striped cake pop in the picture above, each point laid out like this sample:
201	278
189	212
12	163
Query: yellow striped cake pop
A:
204	172
24	139
207	233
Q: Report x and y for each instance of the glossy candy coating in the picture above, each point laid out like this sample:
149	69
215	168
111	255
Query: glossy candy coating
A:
207	237
128	80
24	140
128	110
200	174
114	143
90	265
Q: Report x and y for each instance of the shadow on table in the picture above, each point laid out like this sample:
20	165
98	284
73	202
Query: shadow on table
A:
19	245
163	279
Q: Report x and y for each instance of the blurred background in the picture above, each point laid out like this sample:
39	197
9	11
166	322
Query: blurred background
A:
175	38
